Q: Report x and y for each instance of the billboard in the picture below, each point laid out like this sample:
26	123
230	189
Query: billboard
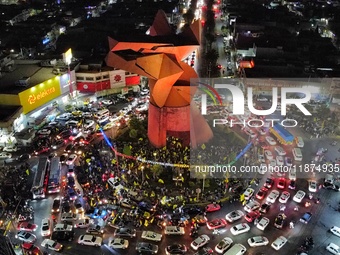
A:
40	94
117	79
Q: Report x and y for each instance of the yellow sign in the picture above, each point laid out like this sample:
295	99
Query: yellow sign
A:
40	94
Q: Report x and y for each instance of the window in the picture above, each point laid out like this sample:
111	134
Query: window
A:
127	73
98	78
80	78
89	78
106	76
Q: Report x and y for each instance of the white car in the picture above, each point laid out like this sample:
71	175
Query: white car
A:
280	151
333	248
234	215
335	231
262	99
51	245
312	186
279	242
142	108
114	182
70	160
279	160
273	195
144	92
45	227
223	245
83	223
248	193
299	196
268	154
4	155
64	116
200	242
12	148
89	123
62	227
272	163
103	119
270	140
263	223
257	241
107	102
239	229
44	131
90	240
152	236
284	197
251	206
118	243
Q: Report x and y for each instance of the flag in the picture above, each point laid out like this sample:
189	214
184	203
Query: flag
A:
161	181
27	171
203	146
135	183
146	223
147	176
182	179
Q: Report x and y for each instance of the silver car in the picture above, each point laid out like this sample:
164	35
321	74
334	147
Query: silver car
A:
26	237
144	247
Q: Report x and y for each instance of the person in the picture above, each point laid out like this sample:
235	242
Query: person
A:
291	224
296	208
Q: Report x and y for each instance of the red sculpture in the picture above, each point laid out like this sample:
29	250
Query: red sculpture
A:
158	56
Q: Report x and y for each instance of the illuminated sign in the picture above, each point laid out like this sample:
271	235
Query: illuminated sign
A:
68	56
40	94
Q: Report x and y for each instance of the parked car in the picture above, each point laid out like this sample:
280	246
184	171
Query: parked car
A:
118	243
239	229
223	245
258	241
26	226
51	245
90	240
143	247
263	223
200	242
299	196
306	217
279	242
176	249
125	232
151	236
62	235
26	237
45	227
234	215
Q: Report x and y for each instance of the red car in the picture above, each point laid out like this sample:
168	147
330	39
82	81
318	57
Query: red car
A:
281	184
251	216
41	150
31	249
218	223
212	207
26	226
261	193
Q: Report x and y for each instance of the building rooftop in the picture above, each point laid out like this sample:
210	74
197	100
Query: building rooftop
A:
32	73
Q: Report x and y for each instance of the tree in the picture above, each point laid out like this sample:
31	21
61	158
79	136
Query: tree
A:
156	170
133	133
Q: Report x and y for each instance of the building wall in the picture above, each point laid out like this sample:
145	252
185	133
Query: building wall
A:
40	94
